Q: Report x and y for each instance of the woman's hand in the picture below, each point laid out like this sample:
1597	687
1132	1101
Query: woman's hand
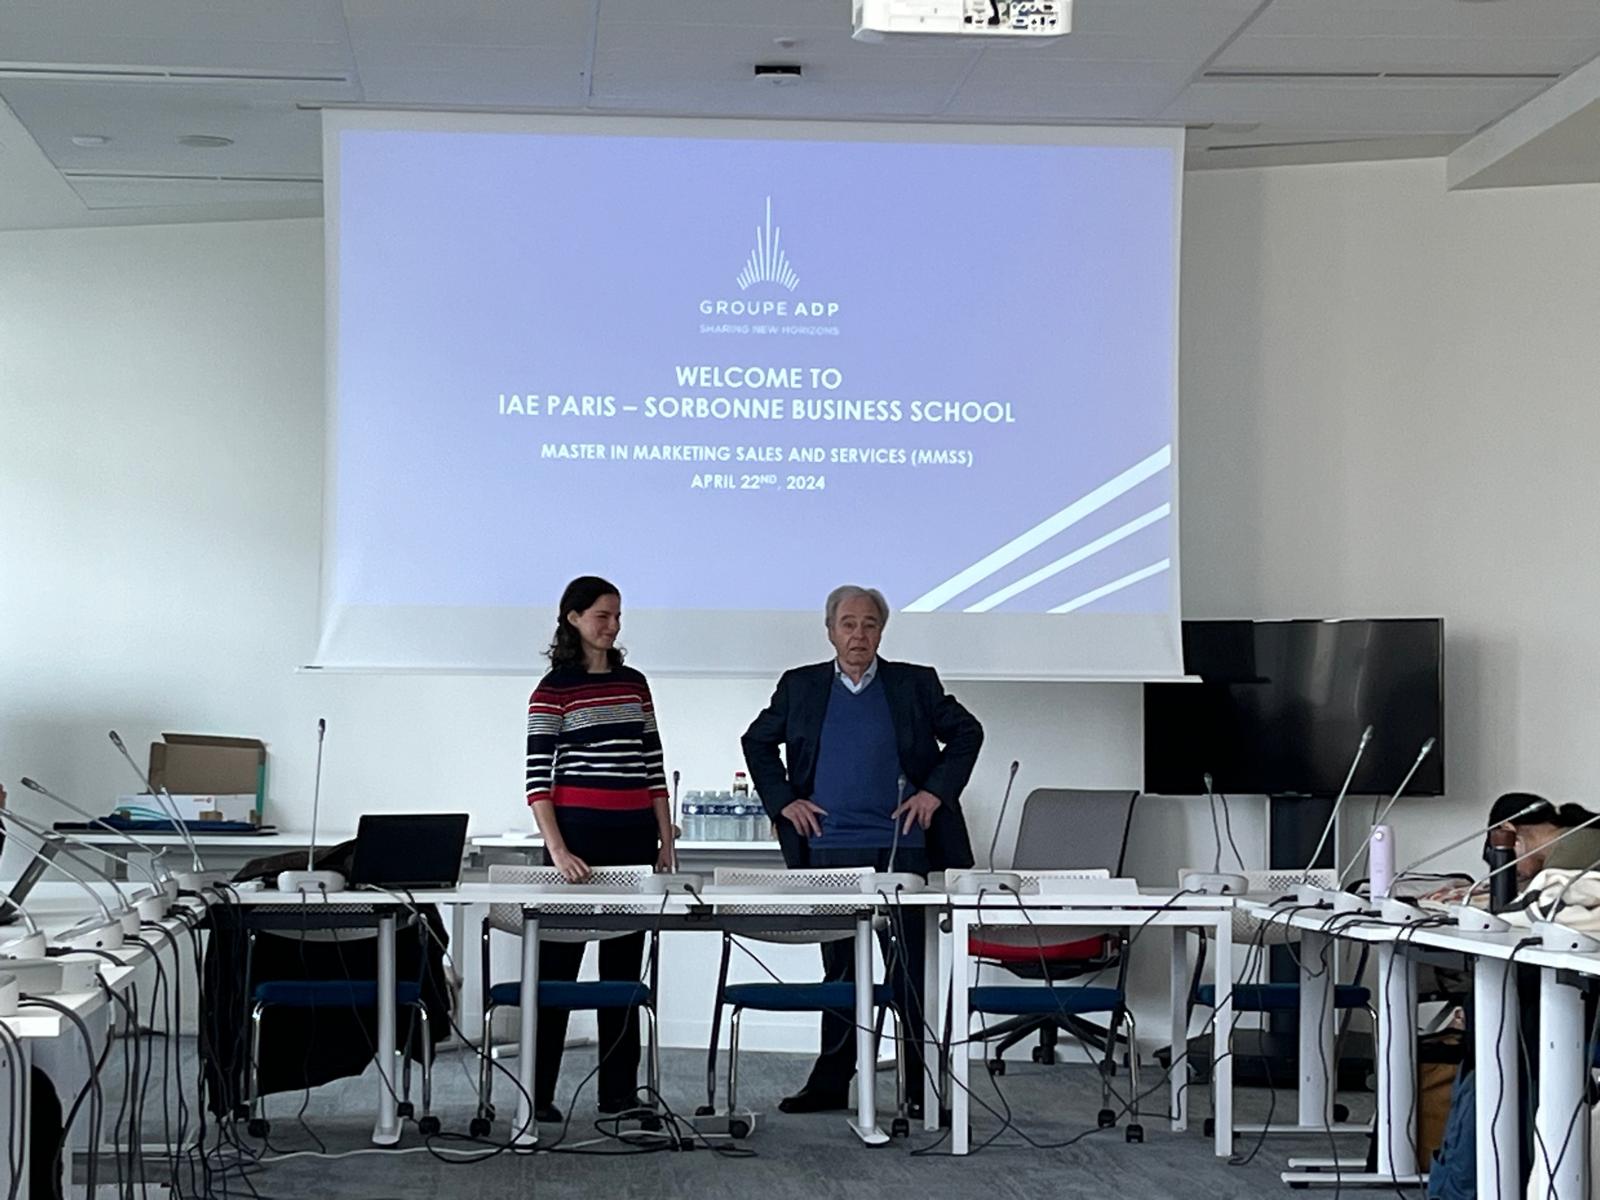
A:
665	857
573	869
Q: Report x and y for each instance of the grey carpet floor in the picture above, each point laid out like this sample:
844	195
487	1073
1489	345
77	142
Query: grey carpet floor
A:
811	1157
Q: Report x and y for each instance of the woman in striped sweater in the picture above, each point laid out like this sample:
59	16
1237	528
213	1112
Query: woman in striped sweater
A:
598	791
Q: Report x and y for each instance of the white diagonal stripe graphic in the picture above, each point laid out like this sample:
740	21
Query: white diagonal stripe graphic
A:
1043	531
1049	570
1116	585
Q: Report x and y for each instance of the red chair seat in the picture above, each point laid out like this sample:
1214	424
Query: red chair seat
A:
1022	953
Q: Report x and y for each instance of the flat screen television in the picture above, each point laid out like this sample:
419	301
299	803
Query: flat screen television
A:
1281	706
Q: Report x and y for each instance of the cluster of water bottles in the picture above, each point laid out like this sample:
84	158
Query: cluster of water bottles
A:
734	816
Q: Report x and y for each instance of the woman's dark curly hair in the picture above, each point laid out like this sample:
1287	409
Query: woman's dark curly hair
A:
566	647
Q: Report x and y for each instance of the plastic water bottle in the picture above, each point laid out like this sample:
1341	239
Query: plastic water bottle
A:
692	820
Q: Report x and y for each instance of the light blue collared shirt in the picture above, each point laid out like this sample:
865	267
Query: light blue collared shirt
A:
851	685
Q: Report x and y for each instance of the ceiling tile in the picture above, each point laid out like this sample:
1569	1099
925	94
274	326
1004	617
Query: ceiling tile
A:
1372	106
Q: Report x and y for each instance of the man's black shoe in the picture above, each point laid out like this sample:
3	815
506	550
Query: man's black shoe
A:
814	1100
547	1114
617	1105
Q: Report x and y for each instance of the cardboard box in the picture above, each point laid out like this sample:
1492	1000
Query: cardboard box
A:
193	764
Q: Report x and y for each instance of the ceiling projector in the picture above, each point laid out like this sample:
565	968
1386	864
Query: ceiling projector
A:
877	19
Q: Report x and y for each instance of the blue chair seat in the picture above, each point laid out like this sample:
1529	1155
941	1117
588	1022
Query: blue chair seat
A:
1280	997
802	997
1011	1001
581	994
331	993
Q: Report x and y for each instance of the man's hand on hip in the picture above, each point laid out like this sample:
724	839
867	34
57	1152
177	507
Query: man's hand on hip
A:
805	816
919	808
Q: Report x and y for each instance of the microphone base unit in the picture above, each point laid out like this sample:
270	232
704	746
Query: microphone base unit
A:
673	883
153	908
891	882
1478	920
1553	935
95	933
52	976
1214	883
131	922
311	882
197	883
29	945
970	883
1398	912
1313	895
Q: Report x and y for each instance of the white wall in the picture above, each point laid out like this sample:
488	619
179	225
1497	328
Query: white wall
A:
1389	407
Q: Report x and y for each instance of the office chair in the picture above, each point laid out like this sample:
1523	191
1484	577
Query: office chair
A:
1057	1004
1061	829
592	995
836	997
1275	997
309	995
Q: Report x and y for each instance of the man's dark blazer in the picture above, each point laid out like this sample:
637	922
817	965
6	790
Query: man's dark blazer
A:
924	715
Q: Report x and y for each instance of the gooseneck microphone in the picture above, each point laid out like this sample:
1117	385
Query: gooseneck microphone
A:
197	865
142	907
1005	803
55	864
156	853
1361	748
1215	882
1427	749
969	883
1308	892
312	880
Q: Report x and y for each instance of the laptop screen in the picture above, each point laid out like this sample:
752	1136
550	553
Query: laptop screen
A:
409	851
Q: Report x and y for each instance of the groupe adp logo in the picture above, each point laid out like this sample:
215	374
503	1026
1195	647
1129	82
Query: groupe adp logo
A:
768	262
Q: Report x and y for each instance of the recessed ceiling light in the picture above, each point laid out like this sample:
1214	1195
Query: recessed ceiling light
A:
205	141
89	139
778	74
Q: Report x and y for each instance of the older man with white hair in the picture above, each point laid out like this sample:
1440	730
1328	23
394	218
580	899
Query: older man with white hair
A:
875	756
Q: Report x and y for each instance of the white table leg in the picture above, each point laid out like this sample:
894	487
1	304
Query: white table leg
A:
1221	1029
387	1131
932	1018
1397	1063
1495	1041
960	1022
1178	1001
866	1123
526	1130
1561	1123
1318	963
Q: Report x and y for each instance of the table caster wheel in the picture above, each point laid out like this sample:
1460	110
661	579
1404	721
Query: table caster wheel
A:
997	1066
258	1128
1134	1133
1341	1113
738	1130
405	1110
1106	1118
428	1126
479	1127
900	1128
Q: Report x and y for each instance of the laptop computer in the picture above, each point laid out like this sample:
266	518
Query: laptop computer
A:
409	851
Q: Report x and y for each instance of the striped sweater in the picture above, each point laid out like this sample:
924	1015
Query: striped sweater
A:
592	741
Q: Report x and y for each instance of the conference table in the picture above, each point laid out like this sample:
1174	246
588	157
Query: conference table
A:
1096	903
1561	1135
52	1040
